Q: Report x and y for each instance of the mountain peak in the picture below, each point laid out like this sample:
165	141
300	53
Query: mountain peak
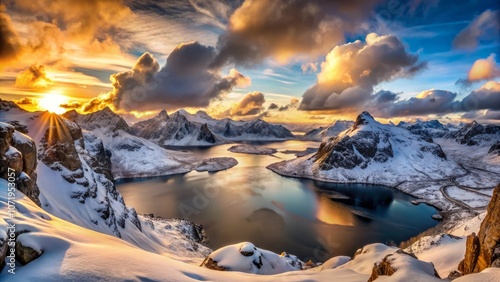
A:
163	114
363	118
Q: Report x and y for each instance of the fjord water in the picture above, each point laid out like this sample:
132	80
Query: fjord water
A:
311	219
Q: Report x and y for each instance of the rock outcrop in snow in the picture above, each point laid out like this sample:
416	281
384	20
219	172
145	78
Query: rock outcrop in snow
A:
18	153
374	153
476	134
426	129
495	149
483	249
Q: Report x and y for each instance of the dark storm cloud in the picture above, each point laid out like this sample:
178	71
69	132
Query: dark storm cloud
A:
262	28
9	41
185	81
427	102
350	72
486	26
250	104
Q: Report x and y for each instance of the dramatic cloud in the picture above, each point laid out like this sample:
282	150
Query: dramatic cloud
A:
250	104
33	77
350	72
486	26
26	101
9	41
483	115
425	103
437	102
185	81
282	29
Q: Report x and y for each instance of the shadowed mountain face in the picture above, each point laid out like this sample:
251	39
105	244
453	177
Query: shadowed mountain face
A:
369	142
474	133
184	129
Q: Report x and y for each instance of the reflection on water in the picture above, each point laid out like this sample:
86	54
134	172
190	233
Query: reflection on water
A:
308	218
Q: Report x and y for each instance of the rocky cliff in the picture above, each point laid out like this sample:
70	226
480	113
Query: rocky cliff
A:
483	249
18	152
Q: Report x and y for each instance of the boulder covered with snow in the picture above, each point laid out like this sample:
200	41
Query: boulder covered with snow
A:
27	250
483	250
403	266
245	257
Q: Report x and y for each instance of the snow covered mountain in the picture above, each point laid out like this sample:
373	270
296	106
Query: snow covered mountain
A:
374	153
176	130
184	129
131	156
74	181
476	134
426	129
323	133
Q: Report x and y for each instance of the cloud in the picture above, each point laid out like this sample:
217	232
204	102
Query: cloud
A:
486	26
250	104
71	105
437	102
484	69
33	77
185	81
273	106
259	29
309	67
483	115
26	101
294	104
350	72
425	103
9	41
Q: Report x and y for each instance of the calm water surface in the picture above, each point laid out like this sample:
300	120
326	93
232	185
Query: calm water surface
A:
311	219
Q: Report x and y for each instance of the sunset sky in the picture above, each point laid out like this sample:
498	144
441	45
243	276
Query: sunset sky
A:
292	61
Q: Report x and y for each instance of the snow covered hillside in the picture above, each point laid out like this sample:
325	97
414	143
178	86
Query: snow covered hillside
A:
75	182
323	133
131	156
184	129
62	251
374	153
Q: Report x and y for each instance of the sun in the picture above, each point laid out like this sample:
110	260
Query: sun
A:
51	102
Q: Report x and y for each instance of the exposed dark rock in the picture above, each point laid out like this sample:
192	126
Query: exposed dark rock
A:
206	135
212	264
18	152
474	133
26	254
483	251
3	252
386	268
495	149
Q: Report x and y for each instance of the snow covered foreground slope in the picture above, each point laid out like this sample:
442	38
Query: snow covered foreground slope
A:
68	252
372	152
